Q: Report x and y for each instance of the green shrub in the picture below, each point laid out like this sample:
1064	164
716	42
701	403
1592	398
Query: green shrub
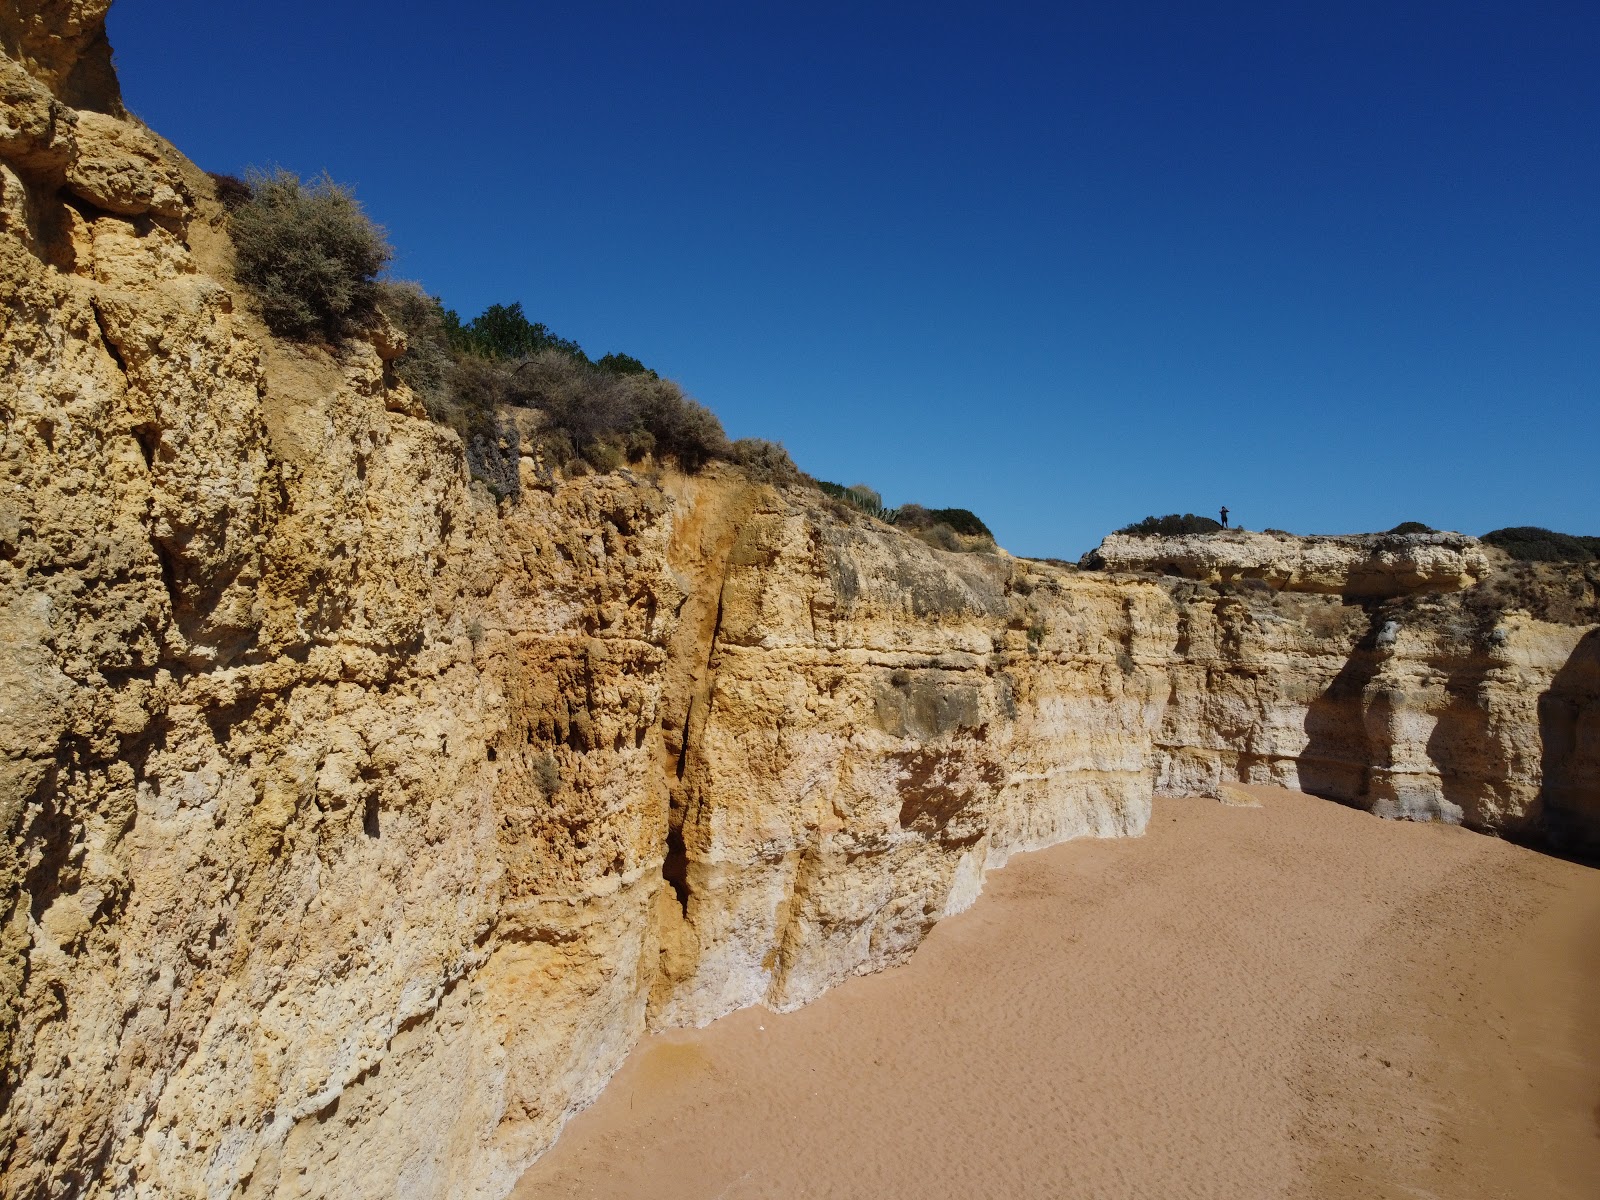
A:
596	415
310	257
606	454
962	521
939	526
1413	527
308	254
504	331
463	392
546	774
868	498
623	364
1171	525
577	400
1530	543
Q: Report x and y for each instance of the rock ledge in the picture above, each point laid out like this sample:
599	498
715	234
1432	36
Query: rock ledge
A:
1369	565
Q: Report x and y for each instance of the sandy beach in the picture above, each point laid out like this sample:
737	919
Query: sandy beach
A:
1294	1000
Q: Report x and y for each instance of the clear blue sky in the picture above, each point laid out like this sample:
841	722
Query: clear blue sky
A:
1333	265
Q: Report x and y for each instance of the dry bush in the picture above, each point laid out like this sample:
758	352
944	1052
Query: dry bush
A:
427	365
767	462
682	429
308	254
231	190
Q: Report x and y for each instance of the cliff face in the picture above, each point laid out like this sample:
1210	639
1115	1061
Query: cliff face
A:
1410	710
357	824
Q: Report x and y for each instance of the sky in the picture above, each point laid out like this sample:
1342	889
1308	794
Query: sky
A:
1336	266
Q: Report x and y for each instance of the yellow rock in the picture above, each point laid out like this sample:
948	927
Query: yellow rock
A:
360	824
1237	796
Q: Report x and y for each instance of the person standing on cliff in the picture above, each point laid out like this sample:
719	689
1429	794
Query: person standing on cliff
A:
1224	516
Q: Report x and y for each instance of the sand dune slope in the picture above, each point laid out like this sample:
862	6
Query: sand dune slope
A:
1291	1000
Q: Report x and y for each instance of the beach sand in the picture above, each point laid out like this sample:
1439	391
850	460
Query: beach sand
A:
1294	1000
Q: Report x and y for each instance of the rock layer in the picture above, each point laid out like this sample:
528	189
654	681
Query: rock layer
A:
358	823
1372	565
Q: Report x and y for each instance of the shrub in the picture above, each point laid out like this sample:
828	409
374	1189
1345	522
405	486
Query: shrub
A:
941	527
1171	525
1530	543
576	399
608	418
546	774
492	454
464	393
962	521
308	253
867	497
682	428
231	190
940	524
504	331
1413	527
766	461
427	364
858	496
623	364
600	415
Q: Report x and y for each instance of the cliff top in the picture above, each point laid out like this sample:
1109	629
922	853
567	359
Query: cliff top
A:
1365	565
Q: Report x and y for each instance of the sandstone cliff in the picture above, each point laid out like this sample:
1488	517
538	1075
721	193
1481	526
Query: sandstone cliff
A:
1364	566
357	823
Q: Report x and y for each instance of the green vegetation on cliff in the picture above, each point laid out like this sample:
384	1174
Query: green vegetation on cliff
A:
1171	525
942	527
312	258
1530	543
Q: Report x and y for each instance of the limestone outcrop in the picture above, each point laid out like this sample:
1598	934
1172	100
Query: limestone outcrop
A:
357	823
1373	565
1424	708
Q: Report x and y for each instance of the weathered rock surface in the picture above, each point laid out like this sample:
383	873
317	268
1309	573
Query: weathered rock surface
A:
1372	565
1423	708
356	824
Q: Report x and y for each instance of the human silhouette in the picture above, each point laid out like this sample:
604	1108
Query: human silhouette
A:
1224	516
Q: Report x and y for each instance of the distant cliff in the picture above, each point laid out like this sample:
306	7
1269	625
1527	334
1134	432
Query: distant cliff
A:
358	822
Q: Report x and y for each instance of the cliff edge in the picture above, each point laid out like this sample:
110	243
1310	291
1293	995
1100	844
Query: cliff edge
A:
1360	566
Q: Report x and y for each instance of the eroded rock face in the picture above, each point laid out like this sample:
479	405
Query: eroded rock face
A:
358	824
63	43
1374	566
877	724
1423	708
